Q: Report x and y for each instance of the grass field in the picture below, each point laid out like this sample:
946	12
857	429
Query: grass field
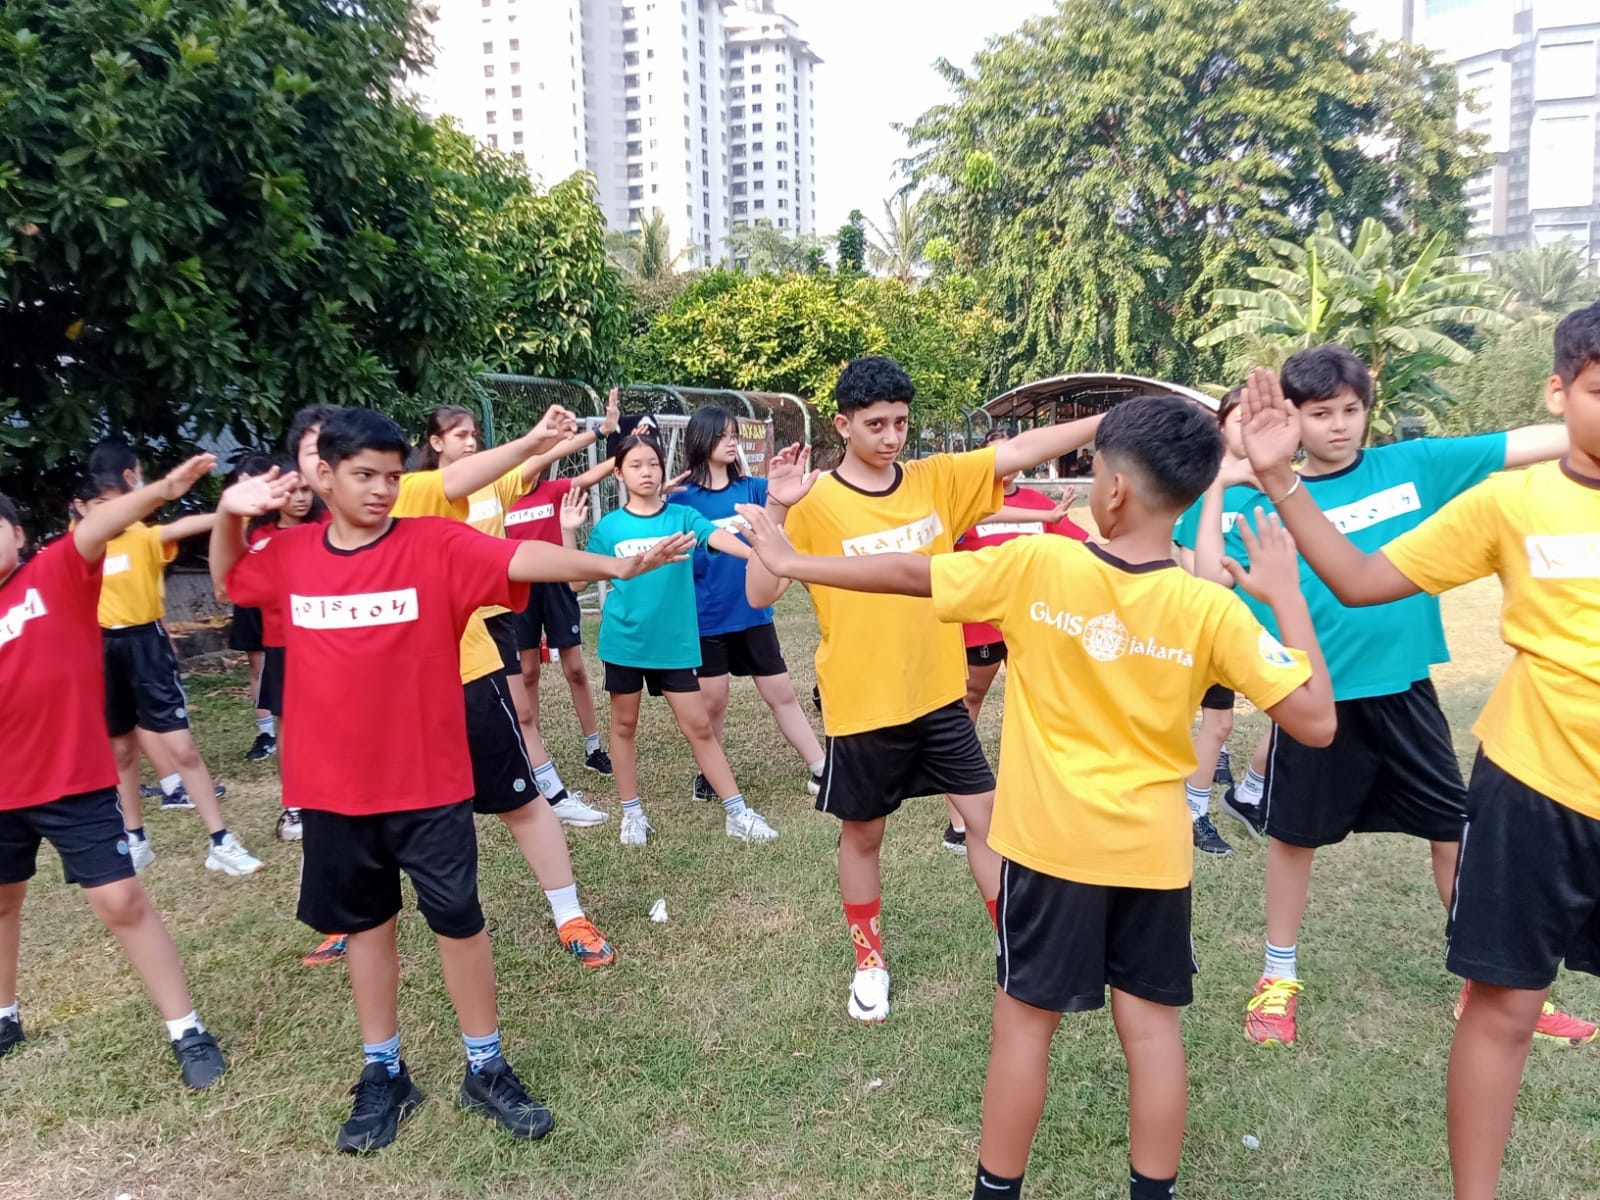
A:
715	1059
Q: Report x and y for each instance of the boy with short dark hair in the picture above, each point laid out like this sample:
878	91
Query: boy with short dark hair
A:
52	695
1090	819
376	609
1392	767
1527	890
893	679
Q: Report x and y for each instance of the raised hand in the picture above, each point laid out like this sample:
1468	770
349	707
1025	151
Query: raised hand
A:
574	509
557	425
259	494
613	416
676	548
674	485
1270	425
1059	513
185	475
770	543
1274	563
789	477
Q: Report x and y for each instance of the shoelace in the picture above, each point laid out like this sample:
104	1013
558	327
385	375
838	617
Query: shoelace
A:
505	1086
1274	1001
370	1095
194	1049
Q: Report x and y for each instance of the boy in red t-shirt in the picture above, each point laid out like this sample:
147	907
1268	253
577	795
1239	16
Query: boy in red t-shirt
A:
375	610
53	694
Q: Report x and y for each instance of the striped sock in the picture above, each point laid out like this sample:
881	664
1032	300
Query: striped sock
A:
591	742
1250	790
1281	962
547	780
633	808
1199	800
387	1053
734	804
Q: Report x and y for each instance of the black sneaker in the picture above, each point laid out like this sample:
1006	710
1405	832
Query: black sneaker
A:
703	789
10	1034
955	840
1208	841
381	1104
498	1094
265	746
598	761
178	799
149	791
1248	815
1224	772
200	1059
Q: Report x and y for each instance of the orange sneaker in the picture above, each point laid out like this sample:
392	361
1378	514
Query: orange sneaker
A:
331	950
586	943
1554	1025
1269	1017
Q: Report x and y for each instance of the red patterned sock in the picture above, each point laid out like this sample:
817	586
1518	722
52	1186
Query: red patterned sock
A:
866	932
994	911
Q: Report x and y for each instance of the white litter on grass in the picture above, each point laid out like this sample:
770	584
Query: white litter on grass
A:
658	911
874	1084
124	1196
1252	1142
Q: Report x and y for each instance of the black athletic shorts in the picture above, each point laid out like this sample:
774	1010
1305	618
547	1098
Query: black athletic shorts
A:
86	831
552	614
1218	698
350	869
1527	885
1390	769
991	655
868	775
269	695
502	628
1063	943
143	688
502	776
747	652
626	681
244	630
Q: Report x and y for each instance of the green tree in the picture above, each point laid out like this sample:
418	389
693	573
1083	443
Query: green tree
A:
1503	386
898	246
1545	282
1107	166
1405	317
646	253
942	334
212	213
851	242
764	249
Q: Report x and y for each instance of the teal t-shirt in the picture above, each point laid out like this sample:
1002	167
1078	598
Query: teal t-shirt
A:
1235	500
1383	649
649	621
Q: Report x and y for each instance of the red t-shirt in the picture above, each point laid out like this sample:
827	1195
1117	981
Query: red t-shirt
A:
271	614
373	658
53	739
537	516
994	534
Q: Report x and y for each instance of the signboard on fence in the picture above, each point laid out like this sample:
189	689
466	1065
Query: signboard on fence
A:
756	444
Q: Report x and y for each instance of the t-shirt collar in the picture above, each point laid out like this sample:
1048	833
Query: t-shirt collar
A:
327	534
1340	473
1120	564
899	478
1587	481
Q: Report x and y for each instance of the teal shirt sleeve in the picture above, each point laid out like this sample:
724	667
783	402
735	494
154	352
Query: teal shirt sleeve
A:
602	539
1187	529
700	525
1451	466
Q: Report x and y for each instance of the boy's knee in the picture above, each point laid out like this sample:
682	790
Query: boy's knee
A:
865	837
119	905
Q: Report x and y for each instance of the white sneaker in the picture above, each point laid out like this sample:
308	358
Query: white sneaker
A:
232	858
289	827
142	853
573	811
814	784
869	995
750	826
635	829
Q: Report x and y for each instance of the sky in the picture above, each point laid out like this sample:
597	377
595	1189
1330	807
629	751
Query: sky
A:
878	70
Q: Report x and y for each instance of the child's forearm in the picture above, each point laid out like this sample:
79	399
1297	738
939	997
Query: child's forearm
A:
896	574
533	466
1028	449
727	543
1208	542
474	472
188	527
106	521
227	548
540	562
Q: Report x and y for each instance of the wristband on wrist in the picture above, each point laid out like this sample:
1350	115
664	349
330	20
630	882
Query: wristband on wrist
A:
1295	487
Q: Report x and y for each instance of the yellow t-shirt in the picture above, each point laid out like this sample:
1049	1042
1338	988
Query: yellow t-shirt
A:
886	660
422	495
1106	665
134	588
487	514
1539	531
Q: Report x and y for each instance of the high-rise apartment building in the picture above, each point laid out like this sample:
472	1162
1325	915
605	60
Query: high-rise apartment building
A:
700	110
1533	68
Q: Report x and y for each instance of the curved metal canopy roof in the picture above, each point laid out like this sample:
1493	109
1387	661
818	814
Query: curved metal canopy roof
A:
1082	394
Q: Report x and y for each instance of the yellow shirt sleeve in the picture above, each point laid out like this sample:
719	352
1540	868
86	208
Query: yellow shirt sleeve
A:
1456	545
422	495
1248	659
799	526
969	489
510	488
977	587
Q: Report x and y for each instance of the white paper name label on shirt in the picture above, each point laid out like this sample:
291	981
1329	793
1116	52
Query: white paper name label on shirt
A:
635	546
904	539
539	512
1375	509
20	614
357	611
735	523
116	564
484	510
1001	528
1563	555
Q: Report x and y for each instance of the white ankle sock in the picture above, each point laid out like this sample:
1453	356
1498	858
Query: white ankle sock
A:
564	904
1281	962
548	780
1250	790
171	783
12	1010
176	1029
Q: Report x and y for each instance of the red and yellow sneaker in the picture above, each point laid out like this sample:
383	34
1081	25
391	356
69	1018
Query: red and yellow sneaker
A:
1269	1017
1554	1025
331	950
586	943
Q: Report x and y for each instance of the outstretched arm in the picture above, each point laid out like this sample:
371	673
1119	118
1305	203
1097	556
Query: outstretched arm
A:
582	441
1271	436
477	471
898	574
1034	446
725	542
789	478
254	496
1535	444
187	527
105	521
540	562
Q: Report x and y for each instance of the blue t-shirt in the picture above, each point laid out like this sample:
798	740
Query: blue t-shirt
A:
1388	490
719	578
649	620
